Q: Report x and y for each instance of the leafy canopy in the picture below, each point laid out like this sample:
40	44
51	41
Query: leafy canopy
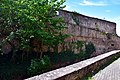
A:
26	20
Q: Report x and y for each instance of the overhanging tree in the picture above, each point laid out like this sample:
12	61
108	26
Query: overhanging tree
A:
32	23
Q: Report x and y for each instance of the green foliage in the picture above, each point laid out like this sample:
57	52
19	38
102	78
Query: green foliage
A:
81	55
97	27
63	57
39	65
75	45
29	20
66	56
80	44
75	12
75	19
90	48
11	71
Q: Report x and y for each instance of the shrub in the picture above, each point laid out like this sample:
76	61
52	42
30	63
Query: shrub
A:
81	55
90	48
61	57
66	56
39	65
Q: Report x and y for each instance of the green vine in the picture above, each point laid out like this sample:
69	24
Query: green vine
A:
97	27
75	19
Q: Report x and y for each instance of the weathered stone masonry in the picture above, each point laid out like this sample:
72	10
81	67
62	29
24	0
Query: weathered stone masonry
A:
100	32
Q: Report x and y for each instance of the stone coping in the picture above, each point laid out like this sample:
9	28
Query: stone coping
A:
55	74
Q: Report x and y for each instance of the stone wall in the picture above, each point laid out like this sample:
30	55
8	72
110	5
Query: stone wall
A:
88	22
78	70
100	32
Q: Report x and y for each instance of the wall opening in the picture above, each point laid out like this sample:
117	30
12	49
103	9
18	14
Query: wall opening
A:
112	44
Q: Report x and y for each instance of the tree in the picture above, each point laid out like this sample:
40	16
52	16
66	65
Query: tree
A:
32	23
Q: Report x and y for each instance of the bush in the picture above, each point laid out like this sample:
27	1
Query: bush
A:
66	56
90	48
12	71
81	55
39	65
61	57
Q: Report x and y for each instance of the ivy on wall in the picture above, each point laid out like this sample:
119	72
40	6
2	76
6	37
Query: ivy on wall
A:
75	18
90	48
97	27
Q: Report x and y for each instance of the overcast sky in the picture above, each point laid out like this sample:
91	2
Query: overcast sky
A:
103	9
